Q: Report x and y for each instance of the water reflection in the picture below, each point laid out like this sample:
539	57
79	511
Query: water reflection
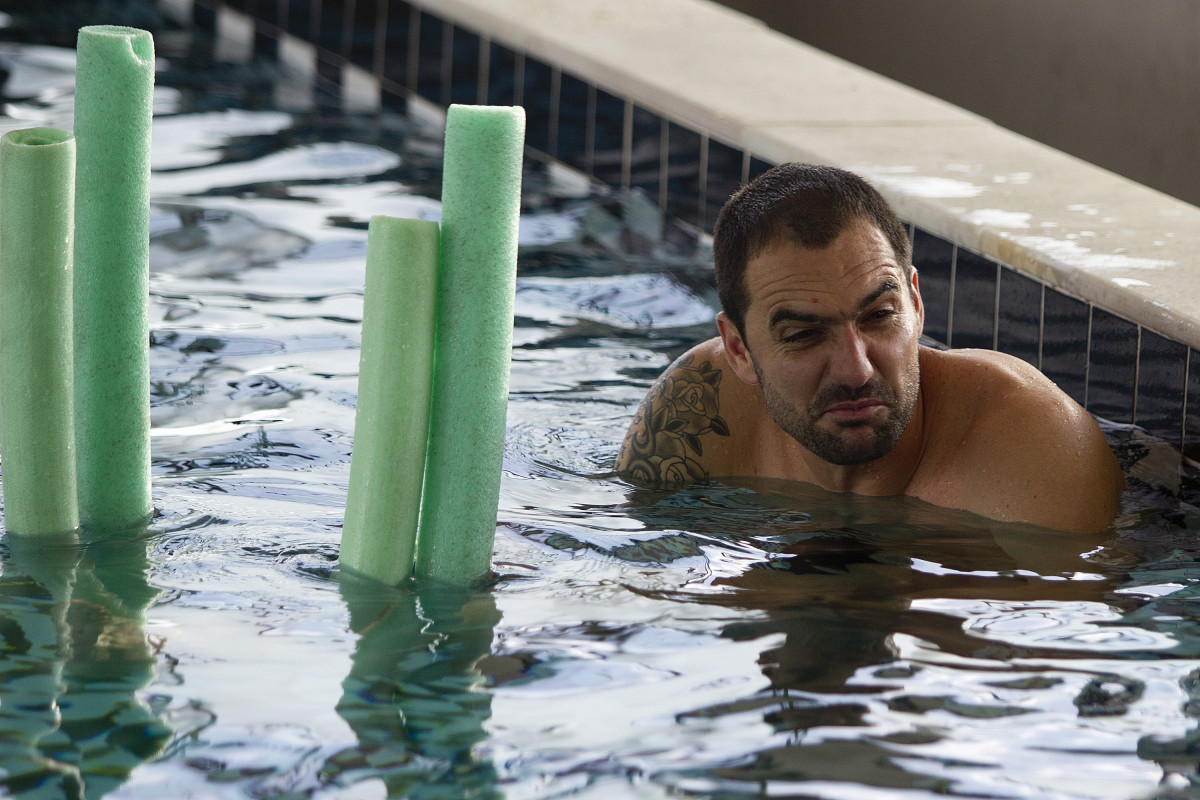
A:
1179	757
861	604
75	658
415	697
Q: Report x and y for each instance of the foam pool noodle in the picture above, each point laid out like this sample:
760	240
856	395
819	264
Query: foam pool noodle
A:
391	421
37	201
114	88
481	199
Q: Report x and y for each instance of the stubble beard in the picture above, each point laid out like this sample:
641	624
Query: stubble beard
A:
803	425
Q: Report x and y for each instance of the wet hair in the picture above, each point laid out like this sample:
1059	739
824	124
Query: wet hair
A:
805	204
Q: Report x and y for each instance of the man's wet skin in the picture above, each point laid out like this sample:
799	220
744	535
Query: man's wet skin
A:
830	386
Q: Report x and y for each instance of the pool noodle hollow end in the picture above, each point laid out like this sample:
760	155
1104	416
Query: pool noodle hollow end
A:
37	137
140	42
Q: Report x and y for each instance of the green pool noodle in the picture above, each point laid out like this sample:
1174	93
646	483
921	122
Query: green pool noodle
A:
481	202
391	421
114	86
37	435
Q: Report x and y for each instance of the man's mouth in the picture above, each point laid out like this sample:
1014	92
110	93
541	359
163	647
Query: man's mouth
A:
853	412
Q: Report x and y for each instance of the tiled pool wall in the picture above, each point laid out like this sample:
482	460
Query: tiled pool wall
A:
374	54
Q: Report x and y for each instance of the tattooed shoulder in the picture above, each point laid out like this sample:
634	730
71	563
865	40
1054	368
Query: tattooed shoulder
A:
665	443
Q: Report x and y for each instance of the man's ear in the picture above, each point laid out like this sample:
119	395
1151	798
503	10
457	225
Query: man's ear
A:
736	352
916	296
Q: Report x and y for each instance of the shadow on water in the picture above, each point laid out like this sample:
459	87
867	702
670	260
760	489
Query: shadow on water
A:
415	697
75	657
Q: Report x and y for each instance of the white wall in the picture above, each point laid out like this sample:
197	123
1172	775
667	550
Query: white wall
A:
1115	82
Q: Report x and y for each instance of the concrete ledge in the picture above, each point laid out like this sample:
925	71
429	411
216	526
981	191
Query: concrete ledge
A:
1083	230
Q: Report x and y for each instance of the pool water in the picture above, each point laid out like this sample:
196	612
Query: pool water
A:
744	639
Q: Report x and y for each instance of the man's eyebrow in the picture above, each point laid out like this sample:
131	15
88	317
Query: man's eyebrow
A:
888	285
781	315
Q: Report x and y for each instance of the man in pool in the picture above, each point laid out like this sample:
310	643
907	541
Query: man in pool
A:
818	375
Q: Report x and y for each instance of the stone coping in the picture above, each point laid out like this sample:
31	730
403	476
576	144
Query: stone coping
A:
1079	228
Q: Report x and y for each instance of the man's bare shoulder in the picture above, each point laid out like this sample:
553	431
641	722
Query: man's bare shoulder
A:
681	432
994	386
1013	446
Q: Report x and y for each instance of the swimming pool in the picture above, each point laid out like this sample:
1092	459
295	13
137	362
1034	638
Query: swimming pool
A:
757	639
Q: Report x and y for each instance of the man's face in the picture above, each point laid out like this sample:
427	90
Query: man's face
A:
832	338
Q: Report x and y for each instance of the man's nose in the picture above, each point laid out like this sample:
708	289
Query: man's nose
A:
849	363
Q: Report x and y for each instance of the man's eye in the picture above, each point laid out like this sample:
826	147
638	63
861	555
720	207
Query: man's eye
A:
882	314
805	336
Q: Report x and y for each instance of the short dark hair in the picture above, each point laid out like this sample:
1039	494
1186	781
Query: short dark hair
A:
806	204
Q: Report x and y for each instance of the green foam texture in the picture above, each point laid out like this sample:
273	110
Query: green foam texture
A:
481	201
114	86
391	422
37	436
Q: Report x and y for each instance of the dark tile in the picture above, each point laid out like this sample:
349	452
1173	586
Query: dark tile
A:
245	6
724	178
432	58
1019	324
331	27
464	67
329	83
757	167
933	258
973	321
271	11
683	174
394	101
539	96
204	18
1162	377
1065	342
608	137
502	76
645	156
399	42
266	46
1191	427
1112	366
368	26
574	105
300	18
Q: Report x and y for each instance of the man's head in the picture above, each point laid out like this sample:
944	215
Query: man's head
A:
824	314
805	204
